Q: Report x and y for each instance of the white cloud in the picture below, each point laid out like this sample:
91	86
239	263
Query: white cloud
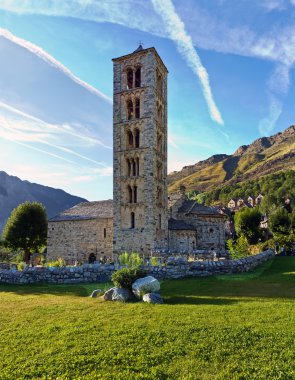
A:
22	128
176	31
52	61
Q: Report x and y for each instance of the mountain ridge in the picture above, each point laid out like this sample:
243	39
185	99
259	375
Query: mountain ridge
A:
14	191
265	155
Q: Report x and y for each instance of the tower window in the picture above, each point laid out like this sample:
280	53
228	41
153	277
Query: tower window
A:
137	108
132	220
129	194
160	221
129	139
137	166
104	232
160	113
128	168
129	79
135	194
133	168
137	140
138	77
130	113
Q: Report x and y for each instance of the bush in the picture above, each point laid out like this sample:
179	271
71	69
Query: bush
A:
21	265
155	261
57	263
132	260
124	278
239	249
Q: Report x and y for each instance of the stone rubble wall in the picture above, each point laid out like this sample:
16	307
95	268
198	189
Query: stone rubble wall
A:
88	273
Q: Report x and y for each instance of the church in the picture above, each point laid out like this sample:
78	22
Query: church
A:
141	217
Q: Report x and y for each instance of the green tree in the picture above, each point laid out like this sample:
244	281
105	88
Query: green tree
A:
247	223
26	228
280	222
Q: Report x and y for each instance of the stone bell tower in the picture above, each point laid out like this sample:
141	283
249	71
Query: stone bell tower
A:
140	152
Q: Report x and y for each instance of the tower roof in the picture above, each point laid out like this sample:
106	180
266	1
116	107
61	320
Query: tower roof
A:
141	50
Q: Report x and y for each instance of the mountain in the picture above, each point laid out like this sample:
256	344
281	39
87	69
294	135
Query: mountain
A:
14	191
266	155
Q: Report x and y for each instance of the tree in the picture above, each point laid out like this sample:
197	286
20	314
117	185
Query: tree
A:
26	228
247	223
280	222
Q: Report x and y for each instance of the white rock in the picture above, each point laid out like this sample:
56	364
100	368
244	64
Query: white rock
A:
154	298
122	295
95	293
145	285
108	294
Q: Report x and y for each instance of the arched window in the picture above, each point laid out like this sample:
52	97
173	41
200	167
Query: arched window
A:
129	79
138	77
128	167
133	168
159	84
129	139
160	113
137	139
137	108
130	112
137	166
132	220
135	194
129	194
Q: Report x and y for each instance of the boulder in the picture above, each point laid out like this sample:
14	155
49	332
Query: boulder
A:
108	294
145	285
121	294
95	293
154	298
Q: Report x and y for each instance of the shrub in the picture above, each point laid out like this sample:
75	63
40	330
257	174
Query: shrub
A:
124	278
57	263
239	249
154	261
132	260
21	265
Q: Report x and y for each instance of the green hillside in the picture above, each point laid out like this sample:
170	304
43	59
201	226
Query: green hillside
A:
267	155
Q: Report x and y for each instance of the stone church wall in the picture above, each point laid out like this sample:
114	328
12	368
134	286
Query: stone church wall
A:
76	239
210	231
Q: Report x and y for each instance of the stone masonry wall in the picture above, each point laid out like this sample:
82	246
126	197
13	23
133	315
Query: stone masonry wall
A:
102	273
76	239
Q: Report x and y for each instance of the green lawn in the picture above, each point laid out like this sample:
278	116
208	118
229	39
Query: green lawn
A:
227	327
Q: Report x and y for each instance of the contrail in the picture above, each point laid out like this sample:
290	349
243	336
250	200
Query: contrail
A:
53	62
176	31
53	127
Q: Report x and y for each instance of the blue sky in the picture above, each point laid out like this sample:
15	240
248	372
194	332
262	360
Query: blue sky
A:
231	80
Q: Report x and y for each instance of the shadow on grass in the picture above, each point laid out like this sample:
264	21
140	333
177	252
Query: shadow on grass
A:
81	290
192	300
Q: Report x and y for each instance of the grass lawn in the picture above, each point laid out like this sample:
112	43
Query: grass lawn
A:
227	327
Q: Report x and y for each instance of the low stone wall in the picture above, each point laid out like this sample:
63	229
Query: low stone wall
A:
88	273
